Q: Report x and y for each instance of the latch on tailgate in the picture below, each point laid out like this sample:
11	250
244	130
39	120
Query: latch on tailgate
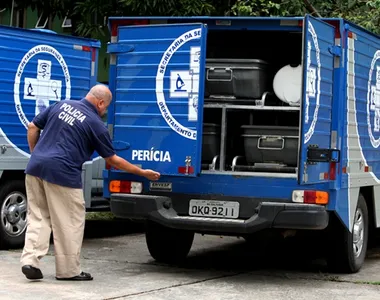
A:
315	154
115	48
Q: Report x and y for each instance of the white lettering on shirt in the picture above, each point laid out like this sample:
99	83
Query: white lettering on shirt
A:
150	155
70	114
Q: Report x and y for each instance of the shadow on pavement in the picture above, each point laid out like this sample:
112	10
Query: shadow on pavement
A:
303	255
242	256
110	228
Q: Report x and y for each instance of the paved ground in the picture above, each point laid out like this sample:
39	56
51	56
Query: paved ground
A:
217	268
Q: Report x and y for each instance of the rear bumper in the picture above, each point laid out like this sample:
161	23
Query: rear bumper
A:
267	215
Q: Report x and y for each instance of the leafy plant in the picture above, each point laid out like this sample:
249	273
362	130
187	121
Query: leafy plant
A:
88	16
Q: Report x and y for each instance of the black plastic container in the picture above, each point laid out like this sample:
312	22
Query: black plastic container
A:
238	78
271	144
210	141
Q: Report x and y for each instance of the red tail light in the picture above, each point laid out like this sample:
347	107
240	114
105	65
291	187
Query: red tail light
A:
332	171
123	186
310	197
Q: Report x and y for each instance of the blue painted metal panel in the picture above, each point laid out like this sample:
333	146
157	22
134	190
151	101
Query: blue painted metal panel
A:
221	184
158	118
367	98
38	68
318	73
338	122
340	201
280	188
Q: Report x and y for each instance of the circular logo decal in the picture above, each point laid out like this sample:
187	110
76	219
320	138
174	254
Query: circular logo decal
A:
313	84
42	87
373	101
184	83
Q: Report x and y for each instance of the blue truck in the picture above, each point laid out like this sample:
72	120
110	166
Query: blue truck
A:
254	124
38	67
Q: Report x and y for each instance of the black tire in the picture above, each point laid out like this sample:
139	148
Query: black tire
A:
341	257
13	213
168	245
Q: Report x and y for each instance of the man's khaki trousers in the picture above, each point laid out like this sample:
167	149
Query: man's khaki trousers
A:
57	208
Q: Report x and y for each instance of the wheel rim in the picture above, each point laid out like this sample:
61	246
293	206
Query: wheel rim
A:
13	214
358	233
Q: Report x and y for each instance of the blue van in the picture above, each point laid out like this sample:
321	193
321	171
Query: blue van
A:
254	123
38	67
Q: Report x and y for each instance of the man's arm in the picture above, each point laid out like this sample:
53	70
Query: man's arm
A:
103	145
33	135
122	164
35	127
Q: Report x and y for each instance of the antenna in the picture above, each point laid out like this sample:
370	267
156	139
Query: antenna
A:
11	18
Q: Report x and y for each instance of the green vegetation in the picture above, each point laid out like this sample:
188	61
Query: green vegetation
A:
89	16
95	216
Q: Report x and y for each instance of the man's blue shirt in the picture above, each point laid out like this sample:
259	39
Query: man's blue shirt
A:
72	131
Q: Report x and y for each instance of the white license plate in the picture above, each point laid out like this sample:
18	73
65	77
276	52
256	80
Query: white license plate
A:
213	208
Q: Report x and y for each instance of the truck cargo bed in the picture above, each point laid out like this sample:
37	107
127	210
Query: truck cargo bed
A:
240	99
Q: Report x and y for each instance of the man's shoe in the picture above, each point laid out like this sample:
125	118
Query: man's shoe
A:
31	273
82	276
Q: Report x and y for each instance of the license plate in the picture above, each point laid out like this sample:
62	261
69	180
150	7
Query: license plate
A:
213	208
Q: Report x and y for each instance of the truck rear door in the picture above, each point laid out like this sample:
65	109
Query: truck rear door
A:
158	96
318	71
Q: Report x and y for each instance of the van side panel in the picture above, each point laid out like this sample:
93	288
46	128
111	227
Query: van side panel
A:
363	115
38	68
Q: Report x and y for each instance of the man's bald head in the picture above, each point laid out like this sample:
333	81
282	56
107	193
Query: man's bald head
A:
100	96
100	92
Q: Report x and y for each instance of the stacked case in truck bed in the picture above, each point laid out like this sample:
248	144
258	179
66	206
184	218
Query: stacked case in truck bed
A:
234	80
245	82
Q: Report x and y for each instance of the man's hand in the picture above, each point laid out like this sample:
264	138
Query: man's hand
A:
122	164
151	175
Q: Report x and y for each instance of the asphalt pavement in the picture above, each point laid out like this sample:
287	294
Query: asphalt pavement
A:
217	268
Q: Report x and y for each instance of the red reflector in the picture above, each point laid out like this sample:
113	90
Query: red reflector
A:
350	34
115	24
309	197
300	23
125	186
93	54
332	171
86	48
366	169
182	170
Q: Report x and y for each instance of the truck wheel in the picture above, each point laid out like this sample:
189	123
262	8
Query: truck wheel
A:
13	214
168	245
347	250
